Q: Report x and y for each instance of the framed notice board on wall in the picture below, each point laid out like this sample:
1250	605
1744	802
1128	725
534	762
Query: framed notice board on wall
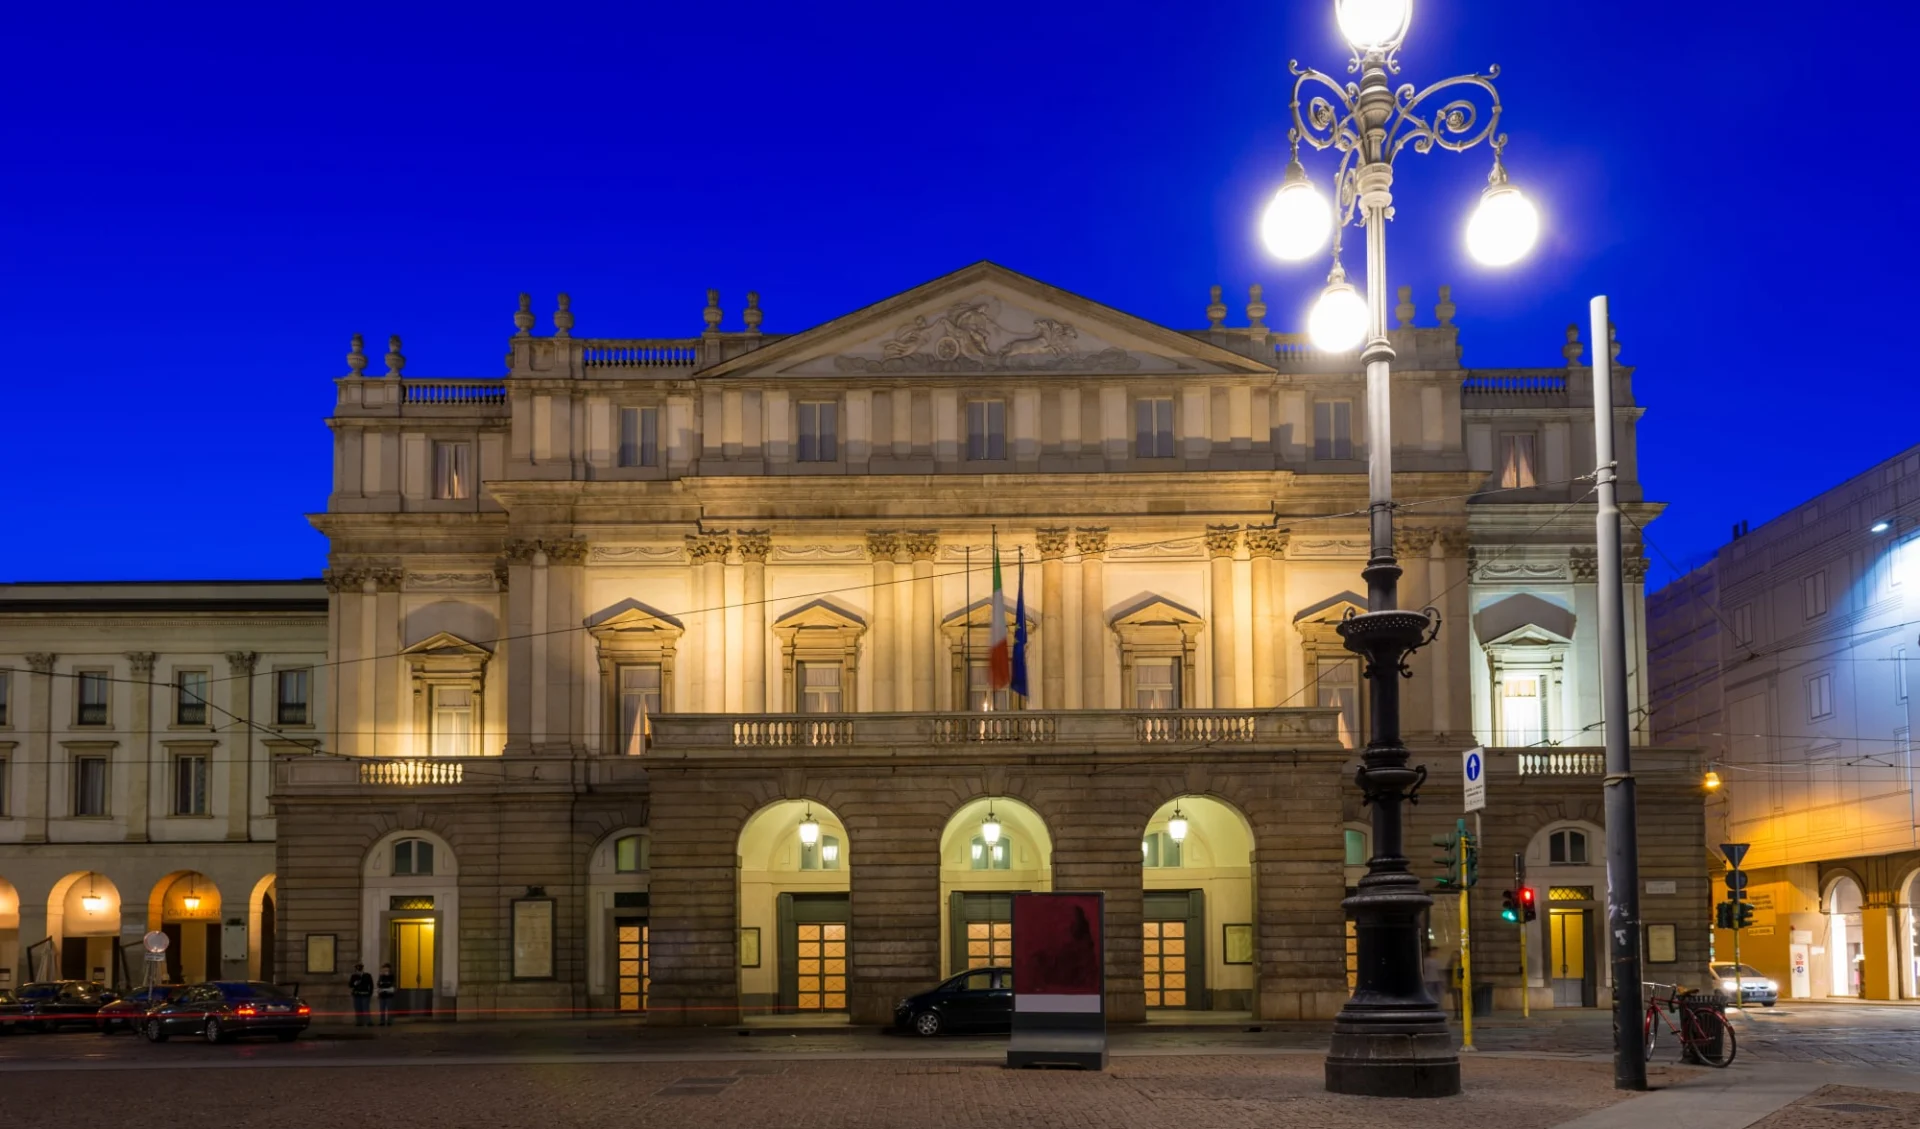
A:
533	938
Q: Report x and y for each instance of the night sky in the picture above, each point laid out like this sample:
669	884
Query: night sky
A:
201	204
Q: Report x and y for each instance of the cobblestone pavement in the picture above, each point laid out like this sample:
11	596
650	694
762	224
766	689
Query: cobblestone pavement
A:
1151	1092
1847	1107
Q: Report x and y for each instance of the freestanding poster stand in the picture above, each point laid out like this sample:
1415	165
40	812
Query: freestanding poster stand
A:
1059	981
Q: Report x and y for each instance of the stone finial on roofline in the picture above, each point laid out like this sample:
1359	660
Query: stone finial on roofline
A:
712	312
1446	309
357	356
1613	343
1216	309
1256	307
395	361
753	315
1403	313
563	317
1572	350
523	317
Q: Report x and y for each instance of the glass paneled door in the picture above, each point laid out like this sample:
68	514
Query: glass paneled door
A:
1571	969
1165	953
815	952
413	961
981	926
1173	949
630	972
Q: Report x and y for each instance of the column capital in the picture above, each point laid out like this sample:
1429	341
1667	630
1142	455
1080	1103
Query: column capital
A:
558	550
1584	564
1409	543
1453	542
140	663
240	663
1090	540
41	662
1222	540
754	545
1263	541
344	579
1052	542
883	547
500	573
709	548
1636	569
922	544
388	579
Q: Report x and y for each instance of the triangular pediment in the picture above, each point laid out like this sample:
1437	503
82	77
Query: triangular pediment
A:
986	320
635	618
1529	635
446	645
1157	611
816	616
1333	609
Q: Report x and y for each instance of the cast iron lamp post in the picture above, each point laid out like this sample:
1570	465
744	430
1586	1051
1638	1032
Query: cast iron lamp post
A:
1391	1038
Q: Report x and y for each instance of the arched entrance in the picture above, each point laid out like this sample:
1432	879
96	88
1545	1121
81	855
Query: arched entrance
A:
795	947
1846	942
410	918
619	942
83	931
11	975
991	849
186	906
1567	944
1199	948
263	931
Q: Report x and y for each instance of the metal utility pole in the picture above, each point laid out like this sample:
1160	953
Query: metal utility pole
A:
1521	903
1623	833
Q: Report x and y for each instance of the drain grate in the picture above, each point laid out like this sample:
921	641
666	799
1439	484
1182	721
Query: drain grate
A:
1856	1107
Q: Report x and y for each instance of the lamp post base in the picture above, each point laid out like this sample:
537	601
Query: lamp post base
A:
1393	1064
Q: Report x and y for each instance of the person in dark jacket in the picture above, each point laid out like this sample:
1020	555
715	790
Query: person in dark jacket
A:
361	986
386	995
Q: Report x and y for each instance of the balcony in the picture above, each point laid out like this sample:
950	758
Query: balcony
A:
432	398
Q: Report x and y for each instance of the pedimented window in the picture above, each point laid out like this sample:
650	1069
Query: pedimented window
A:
820	657
636	647
1158	639
449	689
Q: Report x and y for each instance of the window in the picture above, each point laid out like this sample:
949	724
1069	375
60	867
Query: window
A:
819	442
630	854
639	436
1356	847
452	470
997	855
986	430
1516	461
1523	710
290	696
1820	696
1813	590
1743	624
93	698
1153	431
824	855
639	701
1333	429
3	698
1567	848
981	696
452	722
1156	684
1899	674
89	785
820	687
413	858
190	784
1337	682
189	697
1159	850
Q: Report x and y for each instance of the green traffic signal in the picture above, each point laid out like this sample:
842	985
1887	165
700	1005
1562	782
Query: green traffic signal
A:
1509	907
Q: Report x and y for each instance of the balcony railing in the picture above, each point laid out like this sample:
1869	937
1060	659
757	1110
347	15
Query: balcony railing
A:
1210	728
793	731
411	773
669	353
677	736
1581	763
994	727
1514	390
457	393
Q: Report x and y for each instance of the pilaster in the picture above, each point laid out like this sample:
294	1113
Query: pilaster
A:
882	548
921	546
39	745
754	546
1265	547
709	554
1092	544
1053	657
239	742
1223	541
139	804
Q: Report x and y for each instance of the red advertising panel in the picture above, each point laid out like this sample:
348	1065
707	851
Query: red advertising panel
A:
1056	944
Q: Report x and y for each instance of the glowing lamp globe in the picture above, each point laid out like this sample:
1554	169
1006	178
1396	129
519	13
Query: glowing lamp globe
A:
191	902
1298	221
1177	827
809	830
1504	227
93	903
1374	25
830	852
1338	323
990	830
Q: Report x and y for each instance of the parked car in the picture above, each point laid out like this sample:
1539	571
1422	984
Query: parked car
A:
979	999
126	1012
49	1005
1753	987
226	1009
10	1011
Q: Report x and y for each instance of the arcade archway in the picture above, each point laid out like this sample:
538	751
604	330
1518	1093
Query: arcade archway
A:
794	912
1200	946
991	849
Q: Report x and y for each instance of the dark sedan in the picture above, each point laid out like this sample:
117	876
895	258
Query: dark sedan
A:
226	1009
980	999
10	1011
126	1012
52	1004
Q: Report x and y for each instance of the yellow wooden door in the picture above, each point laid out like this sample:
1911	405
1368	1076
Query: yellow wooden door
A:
989	943
1567	929
413	955
631	973
821	973
1164	950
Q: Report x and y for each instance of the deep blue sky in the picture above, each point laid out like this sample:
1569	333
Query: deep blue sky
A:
202	202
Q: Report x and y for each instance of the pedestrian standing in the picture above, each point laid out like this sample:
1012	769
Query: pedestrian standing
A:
386	995
360	985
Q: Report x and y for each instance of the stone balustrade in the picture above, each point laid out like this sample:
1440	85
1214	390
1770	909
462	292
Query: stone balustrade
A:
398	396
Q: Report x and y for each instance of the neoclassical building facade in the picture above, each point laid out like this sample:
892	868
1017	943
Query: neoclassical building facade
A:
670	657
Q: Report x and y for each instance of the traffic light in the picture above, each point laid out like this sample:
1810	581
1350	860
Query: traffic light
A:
1473	860
1526	903
1509	906
1723	915
1742	914
1450	843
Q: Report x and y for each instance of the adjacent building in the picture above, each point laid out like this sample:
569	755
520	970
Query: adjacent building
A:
1787	658
656	671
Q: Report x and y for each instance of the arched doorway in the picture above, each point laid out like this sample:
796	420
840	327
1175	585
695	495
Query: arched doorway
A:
83	931
11	975
619	942
1846	942
263	932
1567	944
410	918
794	913
186	906
1199	945
991	849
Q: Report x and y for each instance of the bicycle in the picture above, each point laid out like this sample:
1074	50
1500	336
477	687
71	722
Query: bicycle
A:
1702	1031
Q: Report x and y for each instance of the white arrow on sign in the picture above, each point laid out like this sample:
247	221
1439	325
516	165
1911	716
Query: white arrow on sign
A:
1475	770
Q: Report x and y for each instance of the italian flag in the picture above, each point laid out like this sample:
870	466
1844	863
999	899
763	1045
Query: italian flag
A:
999	650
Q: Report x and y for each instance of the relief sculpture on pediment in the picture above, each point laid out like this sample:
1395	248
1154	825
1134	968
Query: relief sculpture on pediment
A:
970	337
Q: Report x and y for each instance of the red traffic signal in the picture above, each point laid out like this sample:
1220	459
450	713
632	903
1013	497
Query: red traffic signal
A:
1526	903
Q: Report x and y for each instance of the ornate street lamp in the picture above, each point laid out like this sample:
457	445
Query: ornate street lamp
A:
990	827
1177	826
809	828
91	901
1391	1038
191	902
